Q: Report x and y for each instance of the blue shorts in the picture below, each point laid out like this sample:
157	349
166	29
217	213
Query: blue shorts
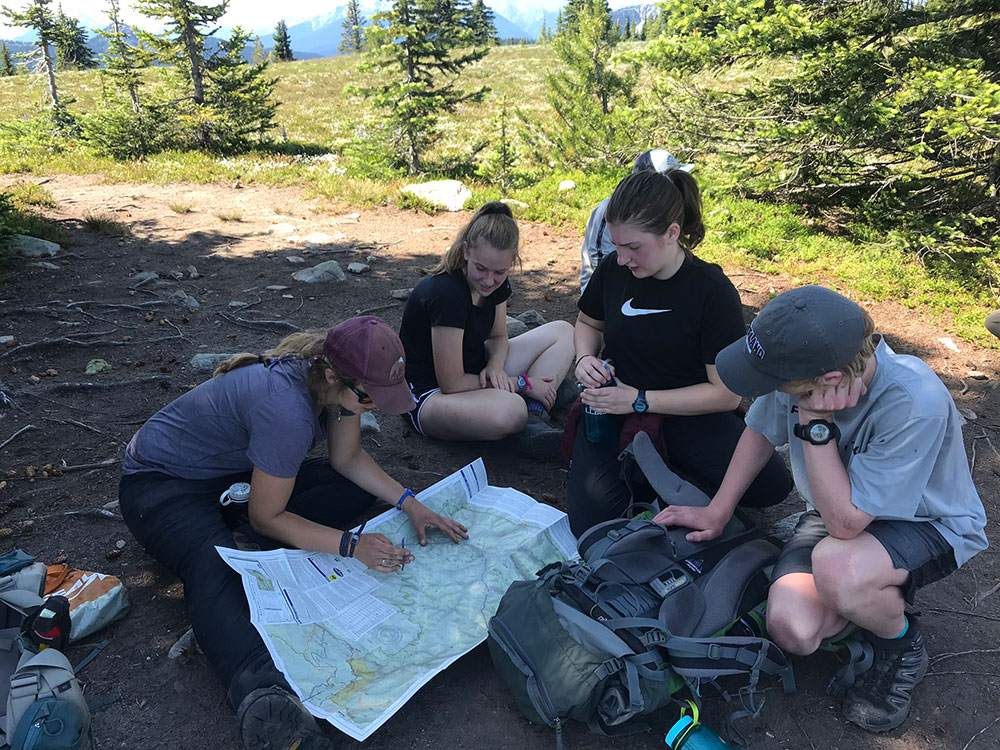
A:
915	546
420	395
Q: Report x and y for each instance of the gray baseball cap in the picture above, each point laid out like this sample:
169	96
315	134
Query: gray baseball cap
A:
801	333
658	160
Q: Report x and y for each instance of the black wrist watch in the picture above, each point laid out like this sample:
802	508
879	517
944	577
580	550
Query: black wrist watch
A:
817	432
639	406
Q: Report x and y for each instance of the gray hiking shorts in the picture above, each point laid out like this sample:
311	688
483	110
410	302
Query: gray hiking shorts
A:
915	546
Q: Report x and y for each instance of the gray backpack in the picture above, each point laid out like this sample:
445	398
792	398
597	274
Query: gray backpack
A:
611	638
44	706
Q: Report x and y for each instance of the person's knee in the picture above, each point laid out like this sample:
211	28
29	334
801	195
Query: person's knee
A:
561	330
508	418
791	631
843	579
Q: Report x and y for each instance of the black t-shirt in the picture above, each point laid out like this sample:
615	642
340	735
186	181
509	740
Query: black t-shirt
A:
446	300
660	334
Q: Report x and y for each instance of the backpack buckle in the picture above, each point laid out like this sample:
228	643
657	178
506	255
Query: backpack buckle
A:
582	574
610	667
654	638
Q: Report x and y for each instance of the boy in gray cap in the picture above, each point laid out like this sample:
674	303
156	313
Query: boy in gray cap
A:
876	449
596	239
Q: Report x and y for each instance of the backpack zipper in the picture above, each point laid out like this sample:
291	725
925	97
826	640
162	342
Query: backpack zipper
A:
548	709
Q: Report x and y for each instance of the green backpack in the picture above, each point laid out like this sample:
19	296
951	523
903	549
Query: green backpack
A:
611	638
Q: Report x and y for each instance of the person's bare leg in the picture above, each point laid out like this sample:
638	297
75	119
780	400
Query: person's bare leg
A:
544	351
797	618
487	414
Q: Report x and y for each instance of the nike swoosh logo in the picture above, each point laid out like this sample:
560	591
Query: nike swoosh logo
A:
632	312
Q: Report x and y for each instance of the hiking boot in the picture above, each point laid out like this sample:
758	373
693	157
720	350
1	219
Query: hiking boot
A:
539	417
880	702
538	440
567	393
272	718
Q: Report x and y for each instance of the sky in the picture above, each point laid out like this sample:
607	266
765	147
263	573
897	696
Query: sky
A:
260	14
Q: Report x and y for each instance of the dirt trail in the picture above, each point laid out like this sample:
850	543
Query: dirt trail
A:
233	238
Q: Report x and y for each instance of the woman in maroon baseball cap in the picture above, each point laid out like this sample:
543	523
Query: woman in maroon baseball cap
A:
234	450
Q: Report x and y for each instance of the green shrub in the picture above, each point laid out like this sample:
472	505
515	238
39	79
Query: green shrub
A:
120	133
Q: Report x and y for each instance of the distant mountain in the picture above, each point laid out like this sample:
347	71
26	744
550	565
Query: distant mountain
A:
636	14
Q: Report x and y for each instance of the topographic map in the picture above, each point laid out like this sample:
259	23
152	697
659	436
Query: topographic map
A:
356	644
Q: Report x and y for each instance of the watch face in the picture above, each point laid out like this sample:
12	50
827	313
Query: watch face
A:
819	433
639	406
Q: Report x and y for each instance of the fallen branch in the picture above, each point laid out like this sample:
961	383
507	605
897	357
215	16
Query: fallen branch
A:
952	655
259	324
980	598
74	387
974	737
376	309
945	611
61	341
9	440
83	467
74	423
87	512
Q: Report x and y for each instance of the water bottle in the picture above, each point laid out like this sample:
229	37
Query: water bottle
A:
688	734
237	493
599	426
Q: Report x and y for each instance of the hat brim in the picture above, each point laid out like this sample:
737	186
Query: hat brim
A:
739	372
392	399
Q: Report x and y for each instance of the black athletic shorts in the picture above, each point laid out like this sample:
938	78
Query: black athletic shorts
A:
915	546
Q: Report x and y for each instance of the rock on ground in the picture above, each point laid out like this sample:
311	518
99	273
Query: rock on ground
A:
33	247
451	195
207	362
531	318
515	327
329	270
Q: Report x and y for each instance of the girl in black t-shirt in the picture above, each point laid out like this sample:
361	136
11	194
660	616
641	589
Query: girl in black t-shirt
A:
660	315
470	381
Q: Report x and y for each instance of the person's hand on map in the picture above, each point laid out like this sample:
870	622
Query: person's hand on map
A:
380	554
421	517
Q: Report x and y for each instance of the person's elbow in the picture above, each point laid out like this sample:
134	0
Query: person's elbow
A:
728	401
848	525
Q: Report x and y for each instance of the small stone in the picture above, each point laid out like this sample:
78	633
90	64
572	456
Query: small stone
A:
531	318
352	216
34	379
183	299
113	554
515	327
59	560
369	424
193	272
567	185
977	375
295	259
276	288
4	340
317	239
280	229
451	195
206	361
371	259
238	304
969	414
358	268
144	276
120	544
328	271
96	366
52	372
177	275
27	526
46	265
514	203
401	294
186	647
288	296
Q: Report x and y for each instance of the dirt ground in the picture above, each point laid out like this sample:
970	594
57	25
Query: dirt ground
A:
84	422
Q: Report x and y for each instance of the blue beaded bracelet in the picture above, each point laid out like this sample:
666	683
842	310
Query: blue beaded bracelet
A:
406	493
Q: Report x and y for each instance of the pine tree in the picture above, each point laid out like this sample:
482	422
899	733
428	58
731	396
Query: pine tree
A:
259	54
122	61
543	35
7	67
481	22
239	95
70	39
37	16
353	38
592	99
627	34
420	65
183	42
282	43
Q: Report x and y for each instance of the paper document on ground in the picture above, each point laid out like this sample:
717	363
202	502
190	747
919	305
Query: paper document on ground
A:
356	644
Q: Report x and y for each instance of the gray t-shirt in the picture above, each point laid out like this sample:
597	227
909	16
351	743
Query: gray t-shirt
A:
902	446
597	243
252	416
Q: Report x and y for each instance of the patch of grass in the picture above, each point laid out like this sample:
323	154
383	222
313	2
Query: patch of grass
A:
180	207
24	194
33	225
229	216
105	225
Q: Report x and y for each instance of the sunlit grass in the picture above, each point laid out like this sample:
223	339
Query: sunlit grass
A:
105	225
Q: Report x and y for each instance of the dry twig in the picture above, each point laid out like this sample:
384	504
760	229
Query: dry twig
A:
953	654
83	467
11	438
974	737
259	324
74	387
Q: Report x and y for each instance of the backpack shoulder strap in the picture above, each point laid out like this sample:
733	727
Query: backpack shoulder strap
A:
20	600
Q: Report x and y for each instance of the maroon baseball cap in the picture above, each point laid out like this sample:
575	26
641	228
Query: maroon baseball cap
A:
369	351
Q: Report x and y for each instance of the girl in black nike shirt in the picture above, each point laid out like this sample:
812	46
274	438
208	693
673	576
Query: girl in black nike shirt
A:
660	315
470	382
